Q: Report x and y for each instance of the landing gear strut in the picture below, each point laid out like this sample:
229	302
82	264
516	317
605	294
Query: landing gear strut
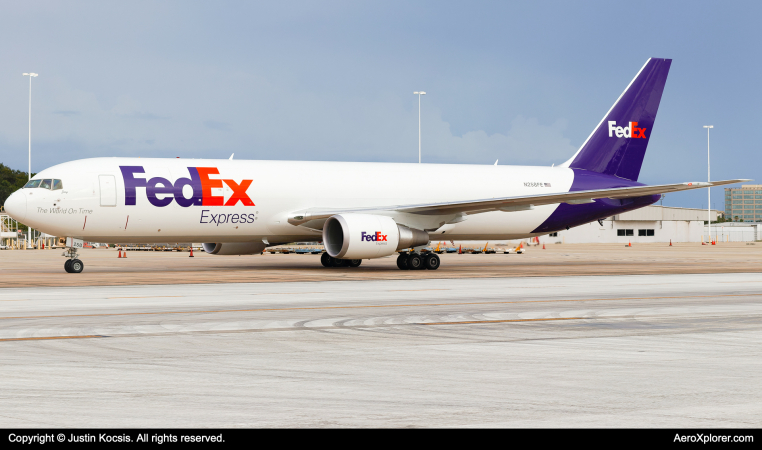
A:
328	261
73	265
415	261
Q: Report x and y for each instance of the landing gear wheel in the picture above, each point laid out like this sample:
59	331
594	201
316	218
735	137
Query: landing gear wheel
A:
67	266
76	266
325	260
414	261
402	261
354	262
431	261
336	262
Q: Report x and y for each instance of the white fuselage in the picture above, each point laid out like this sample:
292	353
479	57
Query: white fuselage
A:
86	208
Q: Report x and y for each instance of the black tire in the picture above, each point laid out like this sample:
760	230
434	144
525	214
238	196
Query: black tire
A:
67	266
402	261
354	262
431	261
76	266
414	261
336	262
325	260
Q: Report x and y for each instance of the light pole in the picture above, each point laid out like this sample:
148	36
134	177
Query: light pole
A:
419	93
30	75
709	189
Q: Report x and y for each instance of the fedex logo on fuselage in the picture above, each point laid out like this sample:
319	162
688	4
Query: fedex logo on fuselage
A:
631	131
375	237
199	182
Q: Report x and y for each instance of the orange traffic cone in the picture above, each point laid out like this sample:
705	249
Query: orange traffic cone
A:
670	242
629	244
120	253
191	255
543	246
124	253
460	249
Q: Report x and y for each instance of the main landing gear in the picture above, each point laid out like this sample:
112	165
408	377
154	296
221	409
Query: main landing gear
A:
415	261
73	265
328	261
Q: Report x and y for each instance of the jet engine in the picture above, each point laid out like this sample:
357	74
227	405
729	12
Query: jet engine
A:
365	236
234	248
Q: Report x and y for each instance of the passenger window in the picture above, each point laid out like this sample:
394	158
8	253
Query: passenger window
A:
45	184
57	185
32	184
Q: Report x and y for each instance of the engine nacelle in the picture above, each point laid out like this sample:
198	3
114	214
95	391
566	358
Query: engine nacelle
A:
234	248
365	236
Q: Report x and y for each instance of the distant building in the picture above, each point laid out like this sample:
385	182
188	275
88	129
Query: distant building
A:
649	224
736	231
744	203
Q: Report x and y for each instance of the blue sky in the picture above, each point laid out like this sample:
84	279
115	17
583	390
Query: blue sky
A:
522	82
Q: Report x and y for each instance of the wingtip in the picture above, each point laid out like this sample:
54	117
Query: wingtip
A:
723	182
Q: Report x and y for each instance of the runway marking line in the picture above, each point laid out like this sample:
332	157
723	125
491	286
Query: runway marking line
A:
499	321
287	293
312	308
51	338
469	322
416	290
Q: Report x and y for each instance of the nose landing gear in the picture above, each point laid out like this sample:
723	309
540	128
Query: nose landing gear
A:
73	265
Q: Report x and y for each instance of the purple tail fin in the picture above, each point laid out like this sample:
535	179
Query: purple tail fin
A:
618	144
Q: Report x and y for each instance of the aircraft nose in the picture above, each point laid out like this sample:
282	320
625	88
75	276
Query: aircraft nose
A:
15	206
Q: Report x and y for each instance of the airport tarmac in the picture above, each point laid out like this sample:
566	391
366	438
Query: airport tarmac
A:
670	350
102	267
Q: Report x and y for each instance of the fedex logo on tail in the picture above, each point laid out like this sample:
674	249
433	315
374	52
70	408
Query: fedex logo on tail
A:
630	131
201	187
375	237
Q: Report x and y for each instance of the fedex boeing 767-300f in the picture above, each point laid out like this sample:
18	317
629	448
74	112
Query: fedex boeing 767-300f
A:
359	210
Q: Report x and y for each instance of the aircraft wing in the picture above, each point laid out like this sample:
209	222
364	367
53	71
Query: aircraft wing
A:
563	197
513	203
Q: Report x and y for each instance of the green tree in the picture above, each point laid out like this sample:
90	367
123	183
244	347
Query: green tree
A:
10	181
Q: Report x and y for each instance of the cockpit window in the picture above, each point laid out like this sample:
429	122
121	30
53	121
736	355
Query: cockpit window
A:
45	184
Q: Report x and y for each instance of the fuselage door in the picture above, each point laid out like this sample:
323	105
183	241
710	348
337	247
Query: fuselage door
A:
108	190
